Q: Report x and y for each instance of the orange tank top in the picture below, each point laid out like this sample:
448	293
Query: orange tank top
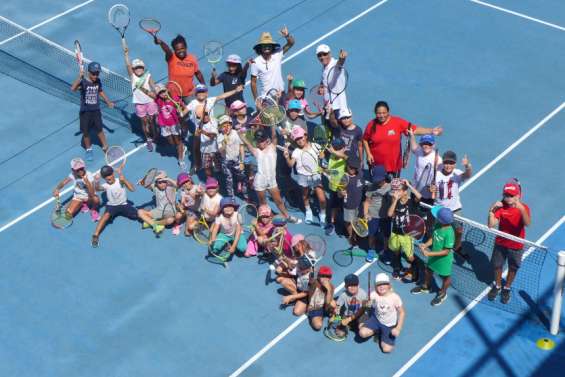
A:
182	71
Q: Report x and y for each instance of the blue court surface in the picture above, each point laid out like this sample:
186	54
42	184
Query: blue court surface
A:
491	73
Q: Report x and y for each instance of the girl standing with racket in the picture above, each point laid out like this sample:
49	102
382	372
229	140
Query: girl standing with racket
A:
230	79
304	160
145	106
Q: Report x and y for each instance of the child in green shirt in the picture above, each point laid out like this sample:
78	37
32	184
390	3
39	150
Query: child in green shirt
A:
440	258
336	169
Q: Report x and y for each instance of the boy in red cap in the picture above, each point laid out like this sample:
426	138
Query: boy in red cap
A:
512	217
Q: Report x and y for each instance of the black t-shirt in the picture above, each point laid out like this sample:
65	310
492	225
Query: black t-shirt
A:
401	213
351	138
90	95
354	192
230	82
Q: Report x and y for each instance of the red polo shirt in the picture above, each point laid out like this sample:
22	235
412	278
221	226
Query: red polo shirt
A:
385	142
510	221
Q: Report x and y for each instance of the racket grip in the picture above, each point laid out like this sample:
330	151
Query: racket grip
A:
124	44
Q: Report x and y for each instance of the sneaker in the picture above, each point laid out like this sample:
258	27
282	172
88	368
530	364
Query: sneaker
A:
419	290
149	145
145	225
408	277
439	299
94	242
184	151
370	256
493	293
322	217
89	155
94	215
396	275
84	207
293	220
309	218
330	230
176	230
505	295
158	229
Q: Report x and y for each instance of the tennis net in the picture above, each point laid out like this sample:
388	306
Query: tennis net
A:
51	68
472	277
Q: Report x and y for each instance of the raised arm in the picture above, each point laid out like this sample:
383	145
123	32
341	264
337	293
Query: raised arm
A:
166	49
126	60
230	93
289	39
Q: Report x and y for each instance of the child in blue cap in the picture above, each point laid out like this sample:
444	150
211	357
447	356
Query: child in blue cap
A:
440	258
375	207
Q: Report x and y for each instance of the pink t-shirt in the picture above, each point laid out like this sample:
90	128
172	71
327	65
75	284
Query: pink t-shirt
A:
167	115
386	307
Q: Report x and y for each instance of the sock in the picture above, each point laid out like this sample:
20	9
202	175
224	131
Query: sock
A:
322	217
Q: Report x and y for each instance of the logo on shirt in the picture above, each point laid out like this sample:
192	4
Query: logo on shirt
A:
391	133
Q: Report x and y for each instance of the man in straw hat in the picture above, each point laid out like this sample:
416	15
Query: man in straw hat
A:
267	65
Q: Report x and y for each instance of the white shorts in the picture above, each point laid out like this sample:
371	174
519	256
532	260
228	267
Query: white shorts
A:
310	181
169	130
262	183
81	198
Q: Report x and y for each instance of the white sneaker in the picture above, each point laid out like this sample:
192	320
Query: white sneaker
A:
309	218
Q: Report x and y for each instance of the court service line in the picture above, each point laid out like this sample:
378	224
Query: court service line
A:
47	21
504	153
519	14
464	312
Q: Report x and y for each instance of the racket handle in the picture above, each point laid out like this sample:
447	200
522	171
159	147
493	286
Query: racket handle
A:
124	44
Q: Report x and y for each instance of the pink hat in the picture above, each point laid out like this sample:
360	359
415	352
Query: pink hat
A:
264	210
77	163
211	183
237	105
297	132
296	239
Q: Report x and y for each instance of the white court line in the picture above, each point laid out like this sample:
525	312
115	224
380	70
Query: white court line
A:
464	312
511	147
48	20
519	14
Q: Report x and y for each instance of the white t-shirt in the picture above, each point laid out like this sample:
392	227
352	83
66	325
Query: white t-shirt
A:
314	151
267	162
229	145
189	199
386	307
448	188
80	190
194	106
227	224
138	96
210	203
340	101
115	192
423	176
268	72
209	144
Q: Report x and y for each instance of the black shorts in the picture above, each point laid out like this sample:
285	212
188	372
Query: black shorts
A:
90	120
500	254
335	201
380	227
125	210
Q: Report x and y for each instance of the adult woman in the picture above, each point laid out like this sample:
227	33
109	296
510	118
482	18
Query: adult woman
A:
382	139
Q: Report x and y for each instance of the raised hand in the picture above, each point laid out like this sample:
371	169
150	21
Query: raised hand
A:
436	131
290	77
284	31
342	54
465	160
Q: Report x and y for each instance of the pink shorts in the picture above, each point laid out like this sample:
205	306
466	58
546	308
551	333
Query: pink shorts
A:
142	110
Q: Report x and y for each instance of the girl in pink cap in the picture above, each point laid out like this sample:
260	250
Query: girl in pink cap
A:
263	228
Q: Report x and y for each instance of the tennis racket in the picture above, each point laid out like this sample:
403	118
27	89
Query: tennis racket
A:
219	256
342	182
79	56
213	51
344	257
272	115
415	227
247	216
265	100
174	94
60	219
309	161
149	177
150	25
424	178
118	16
116	154
170	206
336	81
406	154
360	227
436	163
318	248
315	98
218	110
321	136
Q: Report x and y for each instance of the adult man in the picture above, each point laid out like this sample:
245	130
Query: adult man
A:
267	66
512	217
328	62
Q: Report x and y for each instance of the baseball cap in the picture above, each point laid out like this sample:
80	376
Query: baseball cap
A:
182	178
442	214
94	67
378	173
135	63
338	143
351	279
294	105
511	189
228	201
449	156
160	88
233	58
345	113
354	163
211	183
323	48
298	83
325	271
296	239
237	105
297	132
160	175
77	163
224	119
201	88
427	139
382	278
264	210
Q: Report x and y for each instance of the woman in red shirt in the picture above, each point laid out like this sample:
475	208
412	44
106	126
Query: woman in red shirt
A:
382	139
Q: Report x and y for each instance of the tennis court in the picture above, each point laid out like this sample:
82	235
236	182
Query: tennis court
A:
491	73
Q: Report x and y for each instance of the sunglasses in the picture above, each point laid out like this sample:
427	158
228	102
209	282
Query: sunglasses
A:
449	162
79	169
428	144
160	181
95	73
319	55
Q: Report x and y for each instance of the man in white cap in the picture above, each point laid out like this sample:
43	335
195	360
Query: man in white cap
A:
267	66
323	53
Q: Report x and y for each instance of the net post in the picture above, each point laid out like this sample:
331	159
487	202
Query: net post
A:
558	293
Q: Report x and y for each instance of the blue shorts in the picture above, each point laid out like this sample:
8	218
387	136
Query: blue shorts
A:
379	226
125	210
317	313
385	335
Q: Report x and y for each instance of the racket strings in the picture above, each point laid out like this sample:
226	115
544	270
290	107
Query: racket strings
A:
150	25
